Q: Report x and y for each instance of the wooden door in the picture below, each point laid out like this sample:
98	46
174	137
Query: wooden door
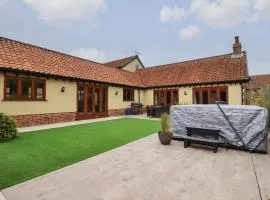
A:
92	101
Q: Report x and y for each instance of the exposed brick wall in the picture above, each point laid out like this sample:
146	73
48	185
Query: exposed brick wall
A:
41	119
116	112
84	116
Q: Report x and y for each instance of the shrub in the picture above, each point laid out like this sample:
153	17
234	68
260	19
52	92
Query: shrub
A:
165	123
8	129
262	99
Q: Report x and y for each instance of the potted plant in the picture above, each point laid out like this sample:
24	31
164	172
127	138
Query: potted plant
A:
165	135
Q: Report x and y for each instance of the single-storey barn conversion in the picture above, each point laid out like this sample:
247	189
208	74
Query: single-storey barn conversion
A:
42	86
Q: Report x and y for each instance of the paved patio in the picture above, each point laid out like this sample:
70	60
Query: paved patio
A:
144	169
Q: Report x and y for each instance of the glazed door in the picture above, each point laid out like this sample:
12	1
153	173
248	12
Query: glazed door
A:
166	97
210	95
92	100
97	99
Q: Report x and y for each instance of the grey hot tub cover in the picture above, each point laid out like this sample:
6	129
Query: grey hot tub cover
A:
240	126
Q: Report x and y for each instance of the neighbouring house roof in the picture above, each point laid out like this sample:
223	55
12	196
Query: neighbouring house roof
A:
119	63
258	81
20	56
215	69
16	55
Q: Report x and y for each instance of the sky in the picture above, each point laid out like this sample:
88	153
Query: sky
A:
160	31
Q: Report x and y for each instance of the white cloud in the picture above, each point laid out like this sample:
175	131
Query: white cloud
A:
261	9
66	10
89	54
168	14
229	13
190	32
3	3
221	13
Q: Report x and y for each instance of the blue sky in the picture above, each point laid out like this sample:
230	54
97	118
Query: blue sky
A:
163	31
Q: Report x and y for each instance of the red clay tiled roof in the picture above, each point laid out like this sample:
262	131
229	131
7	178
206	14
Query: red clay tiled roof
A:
16	55
25	57
258	81
222	68
120	62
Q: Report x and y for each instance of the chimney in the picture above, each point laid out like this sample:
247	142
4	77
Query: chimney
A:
237	47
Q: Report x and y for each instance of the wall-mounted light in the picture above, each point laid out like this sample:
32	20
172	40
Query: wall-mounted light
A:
63	89
116	93
185	93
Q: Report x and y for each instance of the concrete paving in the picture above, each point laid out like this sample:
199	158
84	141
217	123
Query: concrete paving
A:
145	169
2	196
262	168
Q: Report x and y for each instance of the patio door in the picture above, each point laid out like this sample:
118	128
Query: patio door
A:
210	95
92	101
97	100
166	97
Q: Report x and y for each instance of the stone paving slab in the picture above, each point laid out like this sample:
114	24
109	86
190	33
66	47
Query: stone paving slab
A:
144	169
2	196
262	167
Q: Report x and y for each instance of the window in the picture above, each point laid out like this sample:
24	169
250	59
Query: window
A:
196	97
104	99
213	96
128	94
39	89
175	97
168	97
156	97
26	89
162	99
97	100
205	96
90	99
210	95
80	96
19	88
223	95
11	87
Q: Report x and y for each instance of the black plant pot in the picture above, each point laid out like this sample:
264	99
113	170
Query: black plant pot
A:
165	138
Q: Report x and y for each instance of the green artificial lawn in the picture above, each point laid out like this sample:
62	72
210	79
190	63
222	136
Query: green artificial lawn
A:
36	153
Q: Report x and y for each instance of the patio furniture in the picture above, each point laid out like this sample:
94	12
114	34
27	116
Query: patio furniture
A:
202	136
128	111
148	111
165	109
136	108
152	111
156	111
